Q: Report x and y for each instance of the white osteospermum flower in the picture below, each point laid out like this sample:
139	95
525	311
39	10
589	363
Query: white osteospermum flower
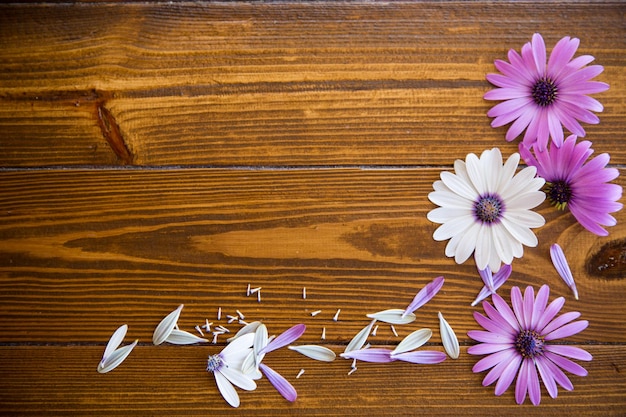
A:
485	209
226	367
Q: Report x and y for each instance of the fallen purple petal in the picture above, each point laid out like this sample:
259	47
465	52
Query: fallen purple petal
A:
424	295
562	267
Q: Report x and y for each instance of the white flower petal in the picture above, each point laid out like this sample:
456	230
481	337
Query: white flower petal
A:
115	358
248	328
450	199
458	186
238	378
318	353
448	337
393	316
453	227
166	326
181	337
413	341
359	340
236	351
115	340
226	389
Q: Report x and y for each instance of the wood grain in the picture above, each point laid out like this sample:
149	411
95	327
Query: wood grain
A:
166	380
162	153
279	84
95	247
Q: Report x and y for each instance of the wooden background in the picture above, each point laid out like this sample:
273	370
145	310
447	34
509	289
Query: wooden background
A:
159	153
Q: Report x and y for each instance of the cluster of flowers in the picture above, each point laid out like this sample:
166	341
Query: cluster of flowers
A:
485	209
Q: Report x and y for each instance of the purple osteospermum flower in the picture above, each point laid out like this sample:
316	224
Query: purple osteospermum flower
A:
485	209
542	98
581	187
518	343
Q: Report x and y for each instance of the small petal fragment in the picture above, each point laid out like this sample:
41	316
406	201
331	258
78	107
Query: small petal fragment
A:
393	316
359	340
181	337
166	326
496	281
424	295
560	263
413	341
448	337
318	353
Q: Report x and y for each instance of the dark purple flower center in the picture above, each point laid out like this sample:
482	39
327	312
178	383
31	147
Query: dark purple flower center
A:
214	363
544	92
529	343
559	193
489	208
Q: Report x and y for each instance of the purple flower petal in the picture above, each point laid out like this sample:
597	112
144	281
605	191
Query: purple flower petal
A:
507	375
566	364
288	336
281	384
421	357
560	263
570	352
424	295
377	355
567	330
547	377
494	359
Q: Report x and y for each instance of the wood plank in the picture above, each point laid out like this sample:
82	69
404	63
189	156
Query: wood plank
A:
172	381
82	252
280	84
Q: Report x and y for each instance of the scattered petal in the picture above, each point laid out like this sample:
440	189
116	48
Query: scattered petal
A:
413	341
288	336
560	263
393	316
181	337
359	340
116	339
248	328
281	384
166	326
115	358
449	339
424	295
318	353
496	281
425	357
377	355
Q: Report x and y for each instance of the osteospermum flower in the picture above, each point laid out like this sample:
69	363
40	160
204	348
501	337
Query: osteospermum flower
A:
226	367
519	343
583	188
542	98
486	209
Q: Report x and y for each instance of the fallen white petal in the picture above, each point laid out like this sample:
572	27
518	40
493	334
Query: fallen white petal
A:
413	341
448	337
115	340
166	326
238	378
226	389
393	316
181	337
115	358
359	340
318	353
248	328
